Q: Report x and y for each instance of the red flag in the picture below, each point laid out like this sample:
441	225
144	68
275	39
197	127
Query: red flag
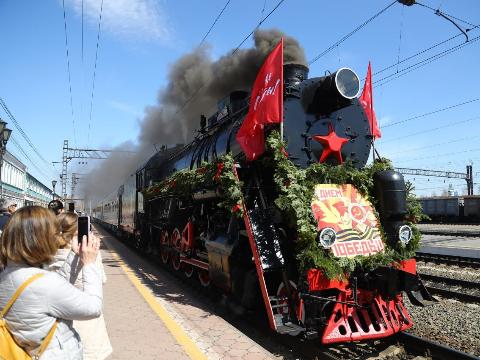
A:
266	104
366	99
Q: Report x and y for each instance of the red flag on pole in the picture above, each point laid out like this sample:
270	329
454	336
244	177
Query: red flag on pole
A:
266	104
366	99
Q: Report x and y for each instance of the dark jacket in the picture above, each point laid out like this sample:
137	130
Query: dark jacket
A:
4	217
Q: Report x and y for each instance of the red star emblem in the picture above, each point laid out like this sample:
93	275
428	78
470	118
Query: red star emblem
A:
332	144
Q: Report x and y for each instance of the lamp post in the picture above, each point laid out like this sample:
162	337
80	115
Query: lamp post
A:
4	136
54	182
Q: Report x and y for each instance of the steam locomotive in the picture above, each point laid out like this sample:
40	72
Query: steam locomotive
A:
252	253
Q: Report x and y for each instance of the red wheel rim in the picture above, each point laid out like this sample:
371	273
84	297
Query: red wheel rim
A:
204	278
284	309
176	262
164	255
176	238
282	293
188	270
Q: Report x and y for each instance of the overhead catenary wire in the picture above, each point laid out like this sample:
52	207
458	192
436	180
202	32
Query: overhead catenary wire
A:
68	70
94	72
453	17
256	27
401	152
191	97
424	62
214	22
400	37
432	188
431	129
415	55
22	132
344	38
82	31
439	155
430	113
27	157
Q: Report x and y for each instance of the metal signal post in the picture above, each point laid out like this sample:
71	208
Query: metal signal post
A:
468	176
73	153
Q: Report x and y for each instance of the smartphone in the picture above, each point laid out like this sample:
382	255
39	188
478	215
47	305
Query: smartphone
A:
83	227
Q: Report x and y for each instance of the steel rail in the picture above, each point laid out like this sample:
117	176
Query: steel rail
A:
449	259
450	281
453	294
453	232
436	350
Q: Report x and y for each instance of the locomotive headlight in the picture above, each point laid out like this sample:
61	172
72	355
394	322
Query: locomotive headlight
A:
347	82
405	234
327	237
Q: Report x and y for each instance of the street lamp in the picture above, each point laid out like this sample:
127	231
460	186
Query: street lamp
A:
54	182
4	136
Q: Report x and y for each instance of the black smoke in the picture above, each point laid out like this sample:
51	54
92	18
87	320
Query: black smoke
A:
195	84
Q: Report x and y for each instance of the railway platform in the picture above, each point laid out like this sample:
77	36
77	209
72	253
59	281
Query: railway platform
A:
455	240
150	315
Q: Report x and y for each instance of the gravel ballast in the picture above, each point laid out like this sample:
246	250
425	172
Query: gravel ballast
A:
449	322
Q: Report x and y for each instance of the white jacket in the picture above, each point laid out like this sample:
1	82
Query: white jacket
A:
93	333
49	298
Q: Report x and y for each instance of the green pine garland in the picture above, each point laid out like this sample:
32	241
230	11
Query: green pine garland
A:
210	176
296	189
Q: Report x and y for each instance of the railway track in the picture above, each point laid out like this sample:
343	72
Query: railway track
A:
448	287
449	260
421	346
459	232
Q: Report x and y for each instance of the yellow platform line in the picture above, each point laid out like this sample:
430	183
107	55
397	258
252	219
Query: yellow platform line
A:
178	333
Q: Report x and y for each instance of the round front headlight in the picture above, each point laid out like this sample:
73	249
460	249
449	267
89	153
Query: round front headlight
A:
347	82
327	237
405	234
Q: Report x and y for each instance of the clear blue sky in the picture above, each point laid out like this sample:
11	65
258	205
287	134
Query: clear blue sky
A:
140	39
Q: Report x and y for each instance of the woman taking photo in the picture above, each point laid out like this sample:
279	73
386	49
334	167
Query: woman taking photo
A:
95	341
29	241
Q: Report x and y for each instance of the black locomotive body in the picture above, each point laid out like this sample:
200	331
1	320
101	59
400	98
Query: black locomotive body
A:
254	257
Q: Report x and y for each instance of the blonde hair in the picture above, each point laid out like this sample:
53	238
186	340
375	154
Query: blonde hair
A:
31	236
68	227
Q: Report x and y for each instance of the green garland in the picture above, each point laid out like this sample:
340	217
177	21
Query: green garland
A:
296	189
210	176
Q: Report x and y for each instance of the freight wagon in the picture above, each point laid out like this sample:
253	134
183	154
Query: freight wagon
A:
452	208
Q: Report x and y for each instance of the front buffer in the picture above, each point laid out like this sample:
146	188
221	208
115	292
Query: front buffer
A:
353	310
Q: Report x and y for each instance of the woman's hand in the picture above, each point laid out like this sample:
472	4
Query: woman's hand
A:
89	249
74	245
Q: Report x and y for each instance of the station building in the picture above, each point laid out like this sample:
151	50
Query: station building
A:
17	183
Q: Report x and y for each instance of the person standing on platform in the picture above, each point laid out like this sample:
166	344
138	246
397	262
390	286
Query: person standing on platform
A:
56	206
93	333
49	304
7	208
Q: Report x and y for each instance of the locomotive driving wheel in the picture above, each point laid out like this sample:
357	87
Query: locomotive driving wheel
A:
282	302
204	277
175	240
176	264
188	270
164	253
